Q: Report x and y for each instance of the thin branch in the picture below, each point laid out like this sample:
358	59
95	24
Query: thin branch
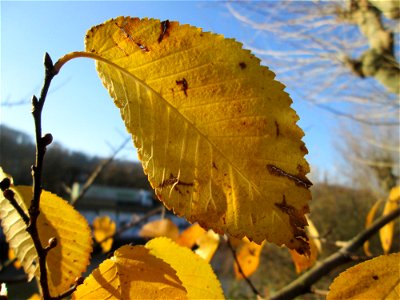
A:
303	284
41	143
248	281
89	182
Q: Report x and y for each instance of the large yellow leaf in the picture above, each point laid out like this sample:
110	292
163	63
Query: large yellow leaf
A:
377	279
157	228
57	219
195	273
132	273
214	130
386	232
104	227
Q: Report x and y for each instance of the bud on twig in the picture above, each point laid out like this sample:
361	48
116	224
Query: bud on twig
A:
5	184
47	139
8	194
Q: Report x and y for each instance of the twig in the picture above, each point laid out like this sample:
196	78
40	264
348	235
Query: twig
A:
248	281
303	284
34	210
89	182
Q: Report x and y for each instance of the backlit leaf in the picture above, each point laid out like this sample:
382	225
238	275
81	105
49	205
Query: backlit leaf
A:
386	232
377	279
304	262
195	273
214	130
104	227
368	221
248	257
157	228
206	242
57	219
132	273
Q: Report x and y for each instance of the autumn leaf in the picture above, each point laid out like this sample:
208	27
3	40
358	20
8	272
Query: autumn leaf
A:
57	219
159	270
104	227
248	257
164	227
11	257
386	232
215	132
368	221
132	273
205	242
196	274
377	279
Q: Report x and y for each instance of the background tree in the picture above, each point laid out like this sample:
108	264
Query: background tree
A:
341	56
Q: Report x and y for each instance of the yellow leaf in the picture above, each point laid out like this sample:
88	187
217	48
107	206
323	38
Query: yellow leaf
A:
104	227
377	279
214	131
196	275
368	222
386	232
207	245
11	256
190	235
248	257
132	273
314	234
57	219
304	262
35	296
157	228
206	241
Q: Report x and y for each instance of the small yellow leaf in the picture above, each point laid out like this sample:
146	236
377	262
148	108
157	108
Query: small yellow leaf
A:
104	227
132	273
190	235
158	228
206	241
386	232
215	132
35	296
377	279
208	244
11	256
195	273
303	262
368	221
314	234
248	257
57	219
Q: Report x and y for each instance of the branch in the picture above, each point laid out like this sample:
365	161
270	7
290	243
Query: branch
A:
303	284
41	143
89	182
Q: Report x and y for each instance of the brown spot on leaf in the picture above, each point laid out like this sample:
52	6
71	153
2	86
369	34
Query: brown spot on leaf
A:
164	30
297	221
299	181
175	183
303	148
277	129
242	65
184	85
214	166
142	47
375	277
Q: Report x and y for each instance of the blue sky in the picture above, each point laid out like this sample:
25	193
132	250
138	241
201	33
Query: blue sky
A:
79	112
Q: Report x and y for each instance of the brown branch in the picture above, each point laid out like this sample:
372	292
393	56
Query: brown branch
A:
303	284
34	210
248	281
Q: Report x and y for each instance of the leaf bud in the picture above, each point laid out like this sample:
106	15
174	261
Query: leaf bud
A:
52	242
8	194
5	184
79	280
47	139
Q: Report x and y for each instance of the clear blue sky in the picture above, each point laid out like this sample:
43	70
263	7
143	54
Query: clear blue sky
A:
79	112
